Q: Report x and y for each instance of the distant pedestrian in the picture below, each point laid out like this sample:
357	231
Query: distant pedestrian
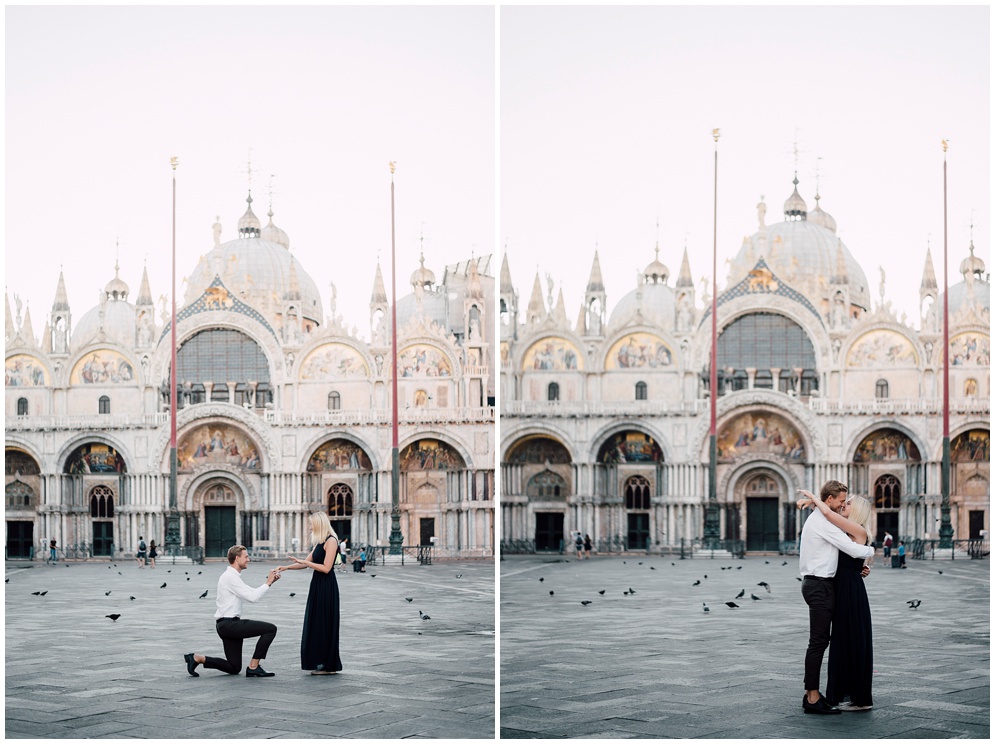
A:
344	551
52	555
152	554
229	624
359	563
140	555
888	540
901	554
587	546
579	545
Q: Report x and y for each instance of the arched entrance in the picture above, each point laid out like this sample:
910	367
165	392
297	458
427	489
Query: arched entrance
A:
220	508
547	486
762	491
637	510
102	515
887	502
340	510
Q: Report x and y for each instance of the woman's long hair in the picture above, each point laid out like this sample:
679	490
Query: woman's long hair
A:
321	528
860	512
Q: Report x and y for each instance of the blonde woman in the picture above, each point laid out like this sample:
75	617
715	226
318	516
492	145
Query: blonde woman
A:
851	651
320	637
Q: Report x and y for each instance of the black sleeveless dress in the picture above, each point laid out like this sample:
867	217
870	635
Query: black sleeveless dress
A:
320	637
851	652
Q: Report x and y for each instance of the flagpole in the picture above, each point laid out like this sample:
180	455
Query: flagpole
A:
396	538
173	518
712	533
946	528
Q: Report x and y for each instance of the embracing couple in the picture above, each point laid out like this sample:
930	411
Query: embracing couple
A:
834	546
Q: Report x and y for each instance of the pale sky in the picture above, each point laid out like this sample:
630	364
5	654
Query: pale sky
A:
99	99
606	120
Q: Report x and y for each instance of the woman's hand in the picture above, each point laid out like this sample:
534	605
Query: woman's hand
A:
296	560
808	500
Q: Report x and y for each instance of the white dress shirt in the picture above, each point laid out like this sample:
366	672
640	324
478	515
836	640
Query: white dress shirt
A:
232	590
820	545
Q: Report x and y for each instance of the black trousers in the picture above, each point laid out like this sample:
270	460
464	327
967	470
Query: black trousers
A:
232	633
820	596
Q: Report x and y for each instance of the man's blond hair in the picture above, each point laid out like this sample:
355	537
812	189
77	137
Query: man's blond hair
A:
234	552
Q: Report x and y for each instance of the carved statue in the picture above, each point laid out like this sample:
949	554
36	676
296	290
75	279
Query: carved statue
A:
761	213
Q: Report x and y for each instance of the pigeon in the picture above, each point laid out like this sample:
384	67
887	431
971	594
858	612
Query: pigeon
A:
640	563
163	585
799	578
107	594
6	581
767	562
35	594
601	592
722	568
785	563
188	578
625	593
459	576
706	576
169	570
120	574
739	568
939	572
550	592
672	563
425	617
623	563
293	594
914	604
203	595
409	599
186	573
652	568
740	595
697	582
199	573
731	604
631	590
109	568
585	602
754	597
705	607
765	585
541	579
373	576
131	598
113	617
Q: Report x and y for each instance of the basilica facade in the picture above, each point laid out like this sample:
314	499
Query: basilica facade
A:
281	410
605	421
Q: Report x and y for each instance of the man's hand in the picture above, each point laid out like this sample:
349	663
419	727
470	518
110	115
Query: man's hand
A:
274	576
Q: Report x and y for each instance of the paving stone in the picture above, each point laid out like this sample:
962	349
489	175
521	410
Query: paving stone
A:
127	678
654	664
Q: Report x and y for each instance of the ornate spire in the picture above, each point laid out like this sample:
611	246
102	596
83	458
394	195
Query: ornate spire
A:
144	292
61	301
595	283
560	312
379	295
9	331
795	207
293	293
506	286
248	224
684	278
27	332
928	275
46	337
536	308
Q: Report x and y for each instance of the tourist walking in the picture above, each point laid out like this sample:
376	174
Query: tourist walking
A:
152	554
140	555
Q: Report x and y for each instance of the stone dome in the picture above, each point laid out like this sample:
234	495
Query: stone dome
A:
823	219
422	277
274	234
803	254
118	323
258	272
117	289
656	271
433	307
656	303
963	293
795	207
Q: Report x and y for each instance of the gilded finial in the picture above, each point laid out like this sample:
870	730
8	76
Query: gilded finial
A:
946	143
393	165
174	161
715	134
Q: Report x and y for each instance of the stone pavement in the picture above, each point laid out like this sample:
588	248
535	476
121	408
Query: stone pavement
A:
654	665
72	673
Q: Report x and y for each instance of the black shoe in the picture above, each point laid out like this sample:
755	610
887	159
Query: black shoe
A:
260	672
821	707
191	664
